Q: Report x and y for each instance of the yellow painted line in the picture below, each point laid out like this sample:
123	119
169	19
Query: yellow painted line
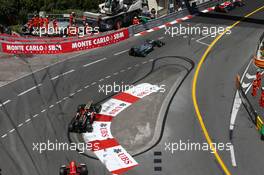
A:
198	113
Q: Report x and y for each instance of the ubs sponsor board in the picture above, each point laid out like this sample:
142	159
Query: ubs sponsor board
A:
70	46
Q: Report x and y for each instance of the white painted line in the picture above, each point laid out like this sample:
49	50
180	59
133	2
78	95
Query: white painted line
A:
12	130
87	86
202	43
3	136
161	38
199	40
80	90
129	68
89	64
63	74
119	53
137	65
21	124
144	62
65	98
245	85
151	60
30	89
44	110
250	76
235	109
68	72
242	78
101	80
4	103
116	73
248	88
51	106
27	120
122	71
34	116
233	158
54	78
94	83
72	94
109	76
58	102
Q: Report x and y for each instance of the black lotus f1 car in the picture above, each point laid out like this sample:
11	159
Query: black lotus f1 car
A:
84	118
74	169
144	49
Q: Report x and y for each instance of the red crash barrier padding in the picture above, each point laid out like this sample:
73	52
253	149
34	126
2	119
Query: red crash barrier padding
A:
65	47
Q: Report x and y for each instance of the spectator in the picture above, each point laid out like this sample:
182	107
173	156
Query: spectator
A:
135	21
46	21
153	13
55	24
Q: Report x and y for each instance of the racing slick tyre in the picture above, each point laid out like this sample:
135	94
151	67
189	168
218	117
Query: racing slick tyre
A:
98	108
89	128
70	127
63	170
262	137
144	54
132	52
160	43
83	170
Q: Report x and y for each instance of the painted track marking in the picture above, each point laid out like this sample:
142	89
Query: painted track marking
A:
195	103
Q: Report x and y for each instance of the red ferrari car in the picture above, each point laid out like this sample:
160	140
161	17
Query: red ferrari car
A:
228	5
73	169
225	7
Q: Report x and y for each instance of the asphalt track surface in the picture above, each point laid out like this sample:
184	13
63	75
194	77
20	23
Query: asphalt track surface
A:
38	107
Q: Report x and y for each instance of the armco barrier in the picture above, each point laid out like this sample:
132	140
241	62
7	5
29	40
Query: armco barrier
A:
171	17
65	47
31	45
254	117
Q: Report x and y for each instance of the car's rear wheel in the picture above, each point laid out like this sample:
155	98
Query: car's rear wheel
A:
84	170
63	170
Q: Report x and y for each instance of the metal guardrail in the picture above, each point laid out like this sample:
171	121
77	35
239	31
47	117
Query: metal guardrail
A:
132	29
255	118
168	18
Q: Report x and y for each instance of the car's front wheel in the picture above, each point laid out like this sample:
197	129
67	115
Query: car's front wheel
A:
132	52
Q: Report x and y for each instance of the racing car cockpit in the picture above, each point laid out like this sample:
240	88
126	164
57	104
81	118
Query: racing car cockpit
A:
84	118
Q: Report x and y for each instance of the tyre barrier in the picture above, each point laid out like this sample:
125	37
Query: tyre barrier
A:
254	116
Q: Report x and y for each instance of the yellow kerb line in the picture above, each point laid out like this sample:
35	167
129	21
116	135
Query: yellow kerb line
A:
199	116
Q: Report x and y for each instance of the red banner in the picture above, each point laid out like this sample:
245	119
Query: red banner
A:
65	47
